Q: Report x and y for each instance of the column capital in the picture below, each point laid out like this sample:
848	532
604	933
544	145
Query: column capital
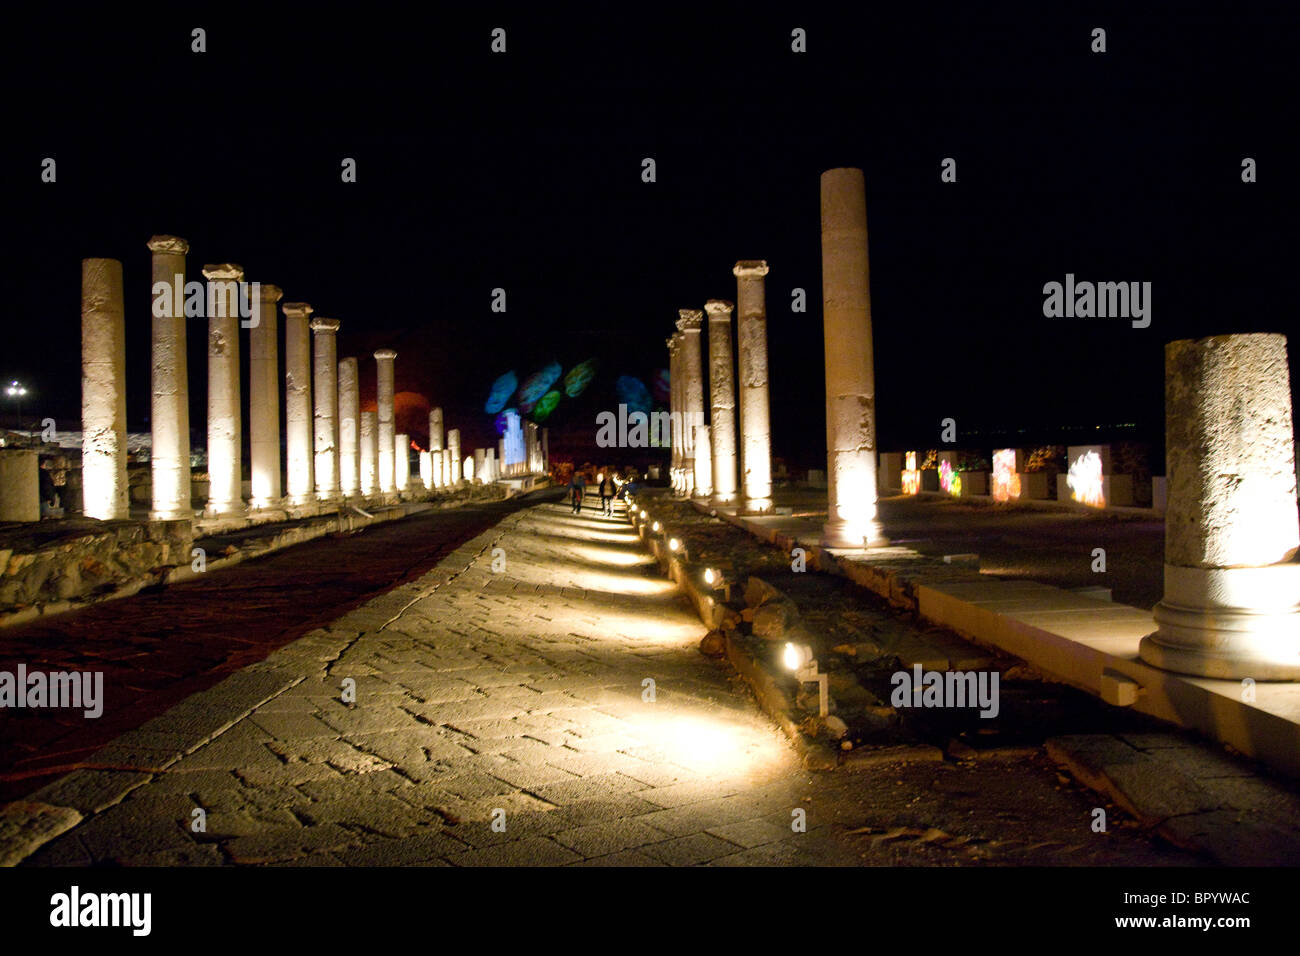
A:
750	269
385	355
688	320
224	272
671	342
271	293
325	325
168	245
296	310
719	309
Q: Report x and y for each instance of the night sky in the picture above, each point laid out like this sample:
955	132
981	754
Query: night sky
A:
523	171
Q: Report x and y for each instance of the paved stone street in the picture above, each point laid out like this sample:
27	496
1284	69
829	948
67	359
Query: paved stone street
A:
505	716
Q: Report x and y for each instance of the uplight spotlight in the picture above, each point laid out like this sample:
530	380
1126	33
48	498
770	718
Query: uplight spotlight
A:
799	658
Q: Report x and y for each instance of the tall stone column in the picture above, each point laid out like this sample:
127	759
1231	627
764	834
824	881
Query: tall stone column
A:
703	462
426	470
674	414
689	322
299	470
546	451
722	400
435	429
349	429
490	460
501	457
850	370
264	402
384	369
480	465
402	462
369	454
170	409
456	463
1231	607
325	370
225	411
755	417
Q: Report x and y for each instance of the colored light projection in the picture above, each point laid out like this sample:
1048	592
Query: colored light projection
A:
537	385
579	377
911	475
500	392
949	478
1006	481
662	386
545	405
1084	480
633	393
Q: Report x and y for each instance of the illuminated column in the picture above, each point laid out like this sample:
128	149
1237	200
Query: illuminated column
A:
170	409
225	428
264	401
455	464
426	470
722	400
1231	606
402	462
490	459
349	429
369	454
546	450
325	371
300	479
435	460
850	372
675	413
103	390
435	430
689	322
501	457
703	462
534	446
755	419
384	368
480	465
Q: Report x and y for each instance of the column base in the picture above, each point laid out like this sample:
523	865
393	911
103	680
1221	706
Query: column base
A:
757	506
1228	623
853	536
172	514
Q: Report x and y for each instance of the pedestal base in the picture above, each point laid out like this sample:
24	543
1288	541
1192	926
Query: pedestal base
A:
847	536
1228	623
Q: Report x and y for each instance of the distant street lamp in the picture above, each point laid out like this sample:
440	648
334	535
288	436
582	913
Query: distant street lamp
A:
16	392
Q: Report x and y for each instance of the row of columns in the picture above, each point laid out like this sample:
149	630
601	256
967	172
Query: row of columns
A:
333	450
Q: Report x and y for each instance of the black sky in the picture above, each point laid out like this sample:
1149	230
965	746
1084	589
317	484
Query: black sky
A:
522	171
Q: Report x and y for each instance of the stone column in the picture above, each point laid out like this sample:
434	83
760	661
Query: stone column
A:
703	462
455	463
688	325
225	411
169	414
435	430
490	460
369	454
20	485
755	418
402	462
1231	606
435	464
325	370
349	429
674	414
264	402
426	470
501	457
850	370
546	451
299	470
722	400
480	465
384	368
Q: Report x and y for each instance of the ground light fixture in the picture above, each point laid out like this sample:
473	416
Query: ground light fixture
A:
799	658
674	544
715	580
656	527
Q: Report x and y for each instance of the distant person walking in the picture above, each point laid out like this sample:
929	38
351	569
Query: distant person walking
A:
607	495
577	486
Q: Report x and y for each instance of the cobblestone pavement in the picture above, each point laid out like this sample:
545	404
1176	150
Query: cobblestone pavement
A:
159	647
519	697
